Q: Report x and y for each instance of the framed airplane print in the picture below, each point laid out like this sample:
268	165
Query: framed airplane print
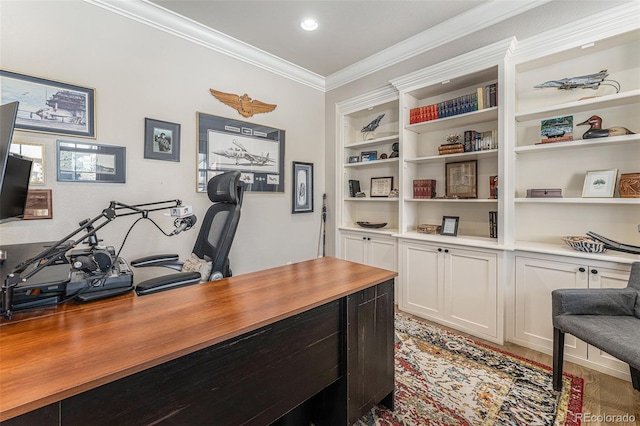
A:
255	150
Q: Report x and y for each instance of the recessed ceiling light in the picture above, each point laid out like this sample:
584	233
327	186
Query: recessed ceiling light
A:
309	24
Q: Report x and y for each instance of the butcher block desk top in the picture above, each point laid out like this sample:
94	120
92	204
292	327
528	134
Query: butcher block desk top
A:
55	353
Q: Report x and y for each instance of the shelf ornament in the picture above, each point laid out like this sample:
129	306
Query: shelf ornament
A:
366	130
596	130
589	81
245	106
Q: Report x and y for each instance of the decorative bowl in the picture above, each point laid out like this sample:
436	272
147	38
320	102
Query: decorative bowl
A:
372	224
585	244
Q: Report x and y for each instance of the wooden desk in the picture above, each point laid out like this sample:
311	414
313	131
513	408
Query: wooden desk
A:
317	335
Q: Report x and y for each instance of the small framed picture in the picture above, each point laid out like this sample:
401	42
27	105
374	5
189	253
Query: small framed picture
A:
450	225
381	186
161	140
302	188
88	162
354	159
599	183
38	204
369	155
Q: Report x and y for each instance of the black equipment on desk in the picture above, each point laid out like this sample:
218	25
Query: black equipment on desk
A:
94	273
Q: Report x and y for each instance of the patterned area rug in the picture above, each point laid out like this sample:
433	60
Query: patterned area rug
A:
447	379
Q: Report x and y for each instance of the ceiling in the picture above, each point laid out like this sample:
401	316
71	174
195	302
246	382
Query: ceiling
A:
349	31
355	38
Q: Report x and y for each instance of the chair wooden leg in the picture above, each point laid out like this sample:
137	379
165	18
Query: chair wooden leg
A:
558	355
635	378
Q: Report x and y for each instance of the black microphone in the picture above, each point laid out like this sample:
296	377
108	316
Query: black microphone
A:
184	224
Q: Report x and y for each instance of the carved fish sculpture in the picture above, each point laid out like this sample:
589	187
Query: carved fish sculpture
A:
246	106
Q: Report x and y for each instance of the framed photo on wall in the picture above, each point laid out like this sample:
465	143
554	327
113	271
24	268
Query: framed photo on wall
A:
50	106
38	204
302	191
161	140
84	162
255	150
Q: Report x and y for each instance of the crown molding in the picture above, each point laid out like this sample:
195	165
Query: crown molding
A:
609	23
467	63
379	96
165	20
478	18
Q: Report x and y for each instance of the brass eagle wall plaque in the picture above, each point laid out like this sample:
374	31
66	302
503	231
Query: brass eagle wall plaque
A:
246	106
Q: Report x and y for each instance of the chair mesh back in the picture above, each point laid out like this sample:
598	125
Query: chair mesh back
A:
220	221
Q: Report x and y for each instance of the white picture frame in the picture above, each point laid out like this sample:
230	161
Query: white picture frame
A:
599	183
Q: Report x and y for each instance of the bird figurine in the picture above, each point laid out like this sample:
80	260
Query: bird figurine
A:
245	106
371	126
596	130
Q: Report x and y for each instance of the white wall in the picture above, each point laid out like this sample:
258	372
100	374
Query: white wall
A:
140	72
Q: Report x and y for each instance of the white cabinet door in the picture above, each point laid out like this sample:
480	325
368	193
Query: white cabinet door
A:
607	278
535	280
353	247
422	276
383	253
471	289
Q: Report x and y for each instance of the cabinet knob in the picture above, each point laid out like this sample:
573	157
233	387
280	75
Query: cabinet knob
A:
594	271
439	249
446	250
581	269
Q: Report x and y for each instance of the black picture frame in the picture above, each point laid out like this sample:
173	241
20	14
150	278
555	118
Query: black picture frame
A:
161	140
49	106
255	150
88	162
302	191
450	225
369	155
381	186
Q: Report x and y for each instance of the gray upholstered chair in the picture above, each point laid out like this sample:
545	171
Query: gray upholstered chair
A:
608	319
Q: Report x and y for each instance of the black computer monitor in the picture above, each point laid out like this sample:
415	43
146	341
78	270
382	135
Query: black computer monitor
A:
15	170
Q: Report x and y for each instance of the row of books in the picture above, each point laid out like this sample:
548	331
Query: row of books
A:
473	141
485	97
493	224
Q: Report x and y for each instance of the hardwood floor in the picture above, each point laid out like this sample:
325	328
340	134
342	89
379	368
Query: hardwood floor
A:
603	395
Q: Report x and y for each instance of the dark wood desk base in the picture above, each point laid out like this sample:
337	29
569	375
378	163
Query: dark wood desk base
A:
328	365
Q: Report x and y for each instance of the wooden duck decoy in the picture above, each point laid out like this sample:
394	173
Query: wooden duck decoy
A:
596	130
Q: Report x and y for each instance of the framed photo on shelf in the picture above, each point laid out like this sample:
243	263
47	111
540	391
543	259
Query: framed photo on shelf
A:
302	194
354	159
34	151
369	155
255	150
381	186
161	140
450	225
462	179
599	183
49	106
85	162
38	204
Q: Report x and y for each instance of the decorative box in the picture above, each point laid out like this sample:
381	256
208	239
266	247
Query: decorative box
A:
429	229
424	188
629	185
544	193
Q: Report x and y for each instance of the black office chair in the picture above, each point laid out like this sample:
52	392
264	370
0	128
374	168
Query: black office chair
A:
213	243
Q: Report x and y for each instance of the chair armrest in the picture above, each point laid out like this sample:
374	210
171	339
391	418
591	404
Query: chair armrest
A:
166	260
594	301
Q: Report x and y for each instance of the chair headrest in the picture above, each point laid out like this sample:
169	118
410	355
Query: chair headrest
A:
223	188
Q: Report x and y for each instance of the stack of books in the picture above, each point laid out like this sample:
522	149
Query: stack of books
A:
450	148
424	188
480	141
